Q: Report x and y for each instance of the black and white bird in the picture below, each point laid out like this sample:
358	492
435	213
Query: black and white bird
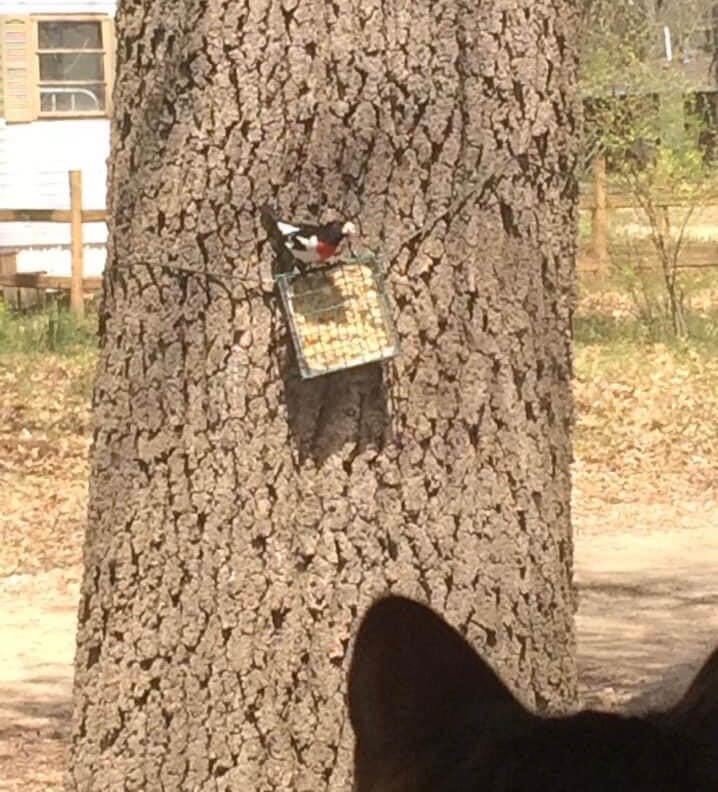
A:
308	244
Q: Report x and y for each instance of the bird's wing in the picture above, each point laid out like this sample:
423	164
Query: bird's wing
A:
286	228
306	242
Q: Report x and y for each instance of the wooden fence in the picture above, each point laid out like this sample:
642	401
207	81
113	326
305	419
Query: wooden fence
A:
599	202
77	283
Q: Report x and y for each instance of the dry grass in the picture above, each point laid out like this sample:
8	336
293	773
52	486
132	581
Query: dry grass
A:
646	443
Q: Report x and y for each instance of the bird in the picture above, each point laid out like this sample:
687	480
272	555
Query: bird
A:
308	244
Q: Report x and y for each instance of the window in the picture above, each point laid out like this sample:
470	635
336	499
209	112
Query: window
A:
55	67
71	67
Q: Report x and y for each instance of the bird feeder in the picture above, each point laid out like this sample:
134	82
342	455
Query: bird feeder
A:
339	316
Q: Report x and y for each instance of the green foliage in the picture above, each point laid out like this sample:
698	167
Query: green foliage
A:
643	115
54	330
633	94
647	329
628	306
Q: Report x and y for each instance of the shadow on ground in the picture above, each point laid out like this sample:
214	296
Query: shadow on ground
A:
36	709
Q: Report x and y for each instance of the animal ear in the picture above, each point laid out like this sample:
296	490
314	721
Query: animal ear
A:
698	709
413	682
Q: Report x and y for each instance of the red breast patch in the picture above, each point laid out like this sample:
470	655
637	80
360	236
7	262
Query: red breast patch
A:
325	250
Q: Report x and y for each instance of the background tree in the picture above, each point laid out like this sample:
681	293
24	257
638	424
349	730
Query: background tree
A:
650	113
624	58
241	519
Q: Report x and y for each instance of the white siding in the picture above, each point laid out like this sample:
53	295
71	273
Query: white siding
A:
34	163
35	159
57	7
58	260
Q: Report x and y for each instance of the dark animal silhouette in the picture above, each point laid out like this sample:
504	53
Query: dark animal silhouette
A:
429	715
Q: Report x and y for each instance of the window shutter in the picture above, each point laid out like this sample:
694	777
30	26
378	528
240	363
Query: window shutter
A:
108	42
17	68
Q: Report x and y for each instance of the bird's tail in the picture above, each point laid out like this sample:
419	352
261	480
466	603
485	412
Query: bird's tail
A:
269	221
284	261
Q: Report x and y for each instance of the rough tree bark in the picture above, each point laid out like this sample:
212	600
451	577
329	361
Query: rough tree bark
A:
240	519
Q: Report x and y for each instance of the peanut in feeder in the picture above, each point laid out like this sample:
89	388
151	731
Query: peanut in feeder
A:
339	317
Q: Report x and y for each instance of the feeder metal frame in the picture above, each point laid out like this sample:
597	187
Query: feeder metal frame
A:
286	280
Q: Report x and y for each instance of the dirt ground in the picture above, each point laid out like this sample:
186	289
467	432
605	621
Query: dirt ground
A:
646	561
648	586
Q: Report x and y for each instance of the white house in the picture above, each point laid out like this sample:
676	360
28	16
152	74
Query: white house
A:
56	68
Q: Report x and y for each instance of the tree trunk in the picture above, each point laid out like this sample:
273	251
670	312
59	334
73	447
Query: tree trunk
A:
242	519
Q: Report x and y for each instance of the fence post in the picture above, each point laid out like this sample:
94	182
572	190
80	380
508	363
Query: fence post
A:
599	219
77	297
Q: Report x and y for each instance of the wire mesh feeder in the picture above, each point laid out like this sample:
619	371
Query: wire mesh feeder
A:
339	316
